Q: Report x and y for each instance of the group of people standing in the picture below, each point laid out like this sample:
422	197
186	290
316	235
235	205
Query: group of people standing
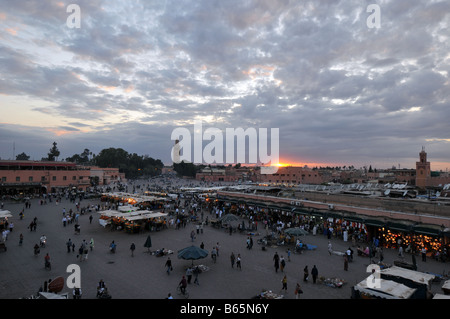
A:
280	264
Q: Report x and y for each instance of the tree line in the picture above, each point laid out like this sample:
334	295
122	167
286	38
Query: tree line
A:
132	164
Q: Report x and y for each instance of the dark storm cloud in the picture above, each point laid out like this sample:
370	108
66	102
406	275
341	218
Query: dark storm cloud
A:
338	90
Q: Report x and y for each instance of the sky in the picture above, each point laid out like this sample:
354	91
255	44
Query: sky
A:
344	85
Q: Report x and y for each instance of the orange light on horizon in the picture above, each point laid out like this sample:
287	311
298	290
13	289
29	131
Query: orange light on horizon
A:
282	165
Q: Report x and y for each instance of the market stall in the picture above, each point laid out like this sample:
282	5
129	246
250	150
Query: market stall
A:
4	215
411	278
386	289
133	221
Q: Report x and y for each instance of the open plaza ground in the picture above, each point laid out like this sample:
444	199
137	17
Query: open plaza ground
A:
144	276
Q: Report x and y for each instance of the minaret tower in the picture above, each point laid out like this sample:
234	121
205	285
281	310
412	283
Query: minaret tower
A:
423	170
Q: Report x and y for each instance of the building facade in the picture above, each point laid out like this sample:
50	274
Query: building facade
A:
41	177
107	175
293	175
423	170
424	175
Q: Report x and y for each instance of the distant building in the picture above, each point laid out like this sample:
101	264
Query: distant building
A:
107	175
423	170
227	174
41	177
293	175
425	177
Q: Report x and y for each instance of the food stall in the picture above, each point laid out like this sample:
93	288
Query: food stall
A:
387	289
133	221
410	278
4	215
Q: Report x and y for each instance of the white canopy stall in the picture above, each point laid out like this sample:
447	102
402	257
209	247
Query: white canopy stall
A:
387	289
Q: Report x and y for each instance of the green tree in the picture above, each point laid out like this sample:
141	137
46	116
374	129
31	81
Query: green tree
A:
185	169
133	165
53	153
22	157
82	158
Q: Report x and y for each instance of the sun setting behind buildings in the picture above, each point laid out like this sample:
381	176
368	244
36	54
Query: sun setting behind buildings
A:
326	74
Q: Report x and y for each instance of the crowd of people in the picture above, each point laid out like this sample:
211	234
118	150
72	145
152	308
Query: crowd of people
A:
194	211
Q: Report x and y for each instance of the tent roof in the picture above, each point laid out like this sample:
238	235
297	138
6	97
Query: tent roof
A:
388	289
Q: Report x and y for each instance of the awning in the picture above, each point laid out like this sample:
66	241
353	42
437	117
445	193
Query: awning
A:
429	230
374	222
333	215
300	211
399	226
353	218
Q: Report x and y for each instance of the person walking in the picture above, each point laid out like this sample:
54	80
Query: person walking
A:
282	263
189	275
132	248
276	260
80	253
214	254
69	245
183	285
400	251
90	219
91	244
284	284
238	262
196	272
424	254
232	259
314	273
305	273
168	265
85	252
76	293
298	290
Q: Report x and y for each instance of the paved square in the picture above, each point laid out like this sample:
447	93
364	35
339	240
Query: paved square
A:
144	275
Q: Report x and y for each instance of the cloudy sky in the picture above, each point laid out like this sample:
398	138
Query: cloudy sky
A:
339	91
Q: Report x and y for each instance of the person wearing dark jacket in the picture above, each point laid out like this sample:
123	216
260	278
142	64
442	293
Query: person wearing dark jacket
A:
314	273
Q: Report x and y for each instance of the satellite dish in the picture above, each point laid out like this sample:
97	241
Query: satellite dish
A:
404	193
438	194
387	191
